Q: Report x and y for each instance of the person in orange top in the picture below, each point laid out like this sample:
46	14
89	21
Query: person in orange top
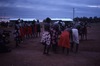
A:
21	32
64	41
25	31
30	30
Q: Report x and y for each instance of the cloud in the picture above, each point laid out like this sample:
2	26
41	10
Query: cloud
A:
94	6
30	5
60	8
45	5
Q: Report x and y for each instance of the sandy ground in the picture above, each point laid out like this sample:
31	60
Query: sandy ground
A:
30	53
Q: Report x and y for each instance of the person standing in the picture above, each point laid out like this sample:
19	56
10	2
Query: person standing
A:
54	39
35	30
38	28
46	40
17	34
17	37
21	32
64	41
75	39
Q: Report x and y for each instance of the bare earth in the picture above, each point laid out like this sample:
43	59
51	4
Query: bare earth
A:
30	53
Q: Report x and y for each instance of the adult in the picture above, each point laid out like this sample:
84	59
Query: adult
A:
75	39
22	33
17	33
33	28
84	31
38	28
64	41
54	38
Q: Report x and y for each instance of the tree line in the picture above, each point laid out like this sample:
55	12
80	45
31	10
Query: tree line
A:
94	19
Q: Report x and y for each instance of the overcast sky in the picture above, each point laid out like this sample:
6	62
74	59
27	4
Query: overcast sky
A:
49	8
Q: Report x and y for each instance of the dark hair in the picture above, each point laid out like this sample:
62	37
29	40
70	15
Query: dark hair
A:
48	20
63	28
37	21
46	28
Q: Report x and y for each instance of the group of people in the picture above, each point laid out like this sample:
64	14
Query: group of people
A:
25	30
4	41
4	24
82	29
53	36
65	37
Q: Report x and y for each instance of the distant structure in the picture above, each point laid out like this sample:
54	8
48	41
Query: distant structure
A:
24	19
73	13
4	19
62	19
27	19
65	21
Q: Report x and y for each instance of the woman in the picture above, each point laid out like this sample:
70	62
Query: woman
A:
64	41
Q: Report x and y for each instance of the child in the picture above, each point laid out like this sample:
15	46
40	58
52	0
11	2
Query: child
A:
46	40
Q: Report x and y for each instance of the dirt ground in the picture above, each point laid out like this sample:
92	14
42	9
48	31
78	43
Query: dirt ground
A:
30	53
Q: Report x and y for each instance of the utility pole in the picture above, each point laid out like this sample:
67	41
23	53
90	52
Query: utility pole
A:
73	13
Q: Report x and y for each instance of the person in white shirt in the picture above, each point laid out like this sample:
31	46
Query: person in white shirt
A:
75	39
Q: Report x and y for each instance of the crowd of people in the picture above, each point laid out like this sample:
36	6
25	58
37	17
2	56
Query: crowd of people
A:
53	36
4	41
4	24
22	30
26	30
64	36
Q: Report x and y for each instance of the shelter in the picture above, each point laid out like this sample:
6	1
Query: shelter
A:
62	20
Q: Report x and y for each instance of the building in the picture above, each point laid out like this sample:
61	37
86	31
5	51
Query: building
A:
62	20
4	19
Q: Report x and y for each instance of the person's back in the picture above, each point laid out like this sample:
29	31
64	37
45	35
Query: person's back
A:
75	35
46	37
46	40
64	41
84	32
75	39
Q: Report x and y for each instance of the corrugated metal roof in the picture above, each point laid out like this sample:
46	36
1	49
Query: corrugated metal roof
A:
24	19
63	19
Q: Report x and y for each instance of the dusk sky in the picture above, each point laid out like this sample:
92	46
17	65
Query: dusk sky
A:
41	9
